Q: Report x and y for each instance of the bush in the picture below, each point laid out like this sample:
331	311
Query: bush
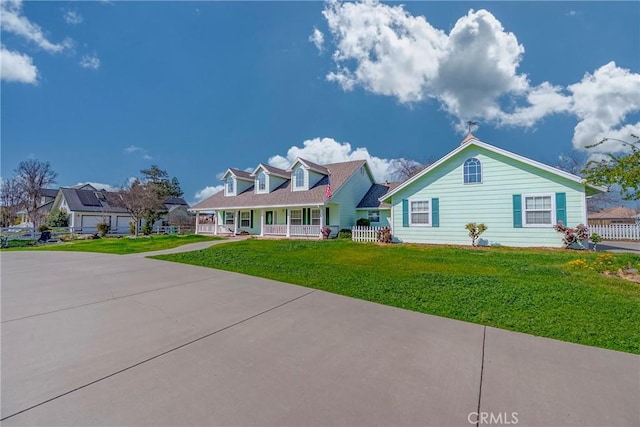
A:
43	227
345	233
132	227
363	222
475	230
326	232
103	228
384	235
573	237
58	218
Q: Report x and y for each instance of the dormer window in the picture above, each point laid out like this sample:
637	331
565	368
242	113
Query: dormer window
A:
299	178
472	171
261	182
230	186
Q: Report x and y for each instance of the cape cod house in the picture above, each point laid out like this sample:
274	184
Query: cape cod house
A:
298	201
519	199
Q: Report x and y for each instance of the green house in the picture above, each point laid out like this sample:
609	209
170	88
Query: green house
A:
519	199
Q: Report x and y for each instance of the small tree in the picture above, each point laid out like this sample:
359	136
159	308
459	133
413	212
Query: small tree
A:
475	230
32	176
138	199
58	218
11	200
595	239
621	170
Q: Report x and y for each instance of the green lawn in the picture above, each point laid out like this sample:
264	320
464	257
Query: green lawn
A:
526	290
120	246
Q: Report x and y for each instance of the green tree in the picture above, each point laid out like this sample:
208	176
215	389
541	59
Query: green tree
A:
157	180
58	218
621	169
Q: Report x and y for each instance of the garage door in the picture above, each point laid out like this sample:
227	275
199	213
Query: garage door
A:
89	223
122	224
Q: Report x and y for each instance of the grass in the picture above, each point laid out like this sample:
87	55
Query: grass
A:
120	246
539	292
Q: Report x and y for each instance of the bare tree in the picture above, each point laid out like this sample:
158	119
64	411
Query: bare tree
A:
32	176
11	201
403	169
138	199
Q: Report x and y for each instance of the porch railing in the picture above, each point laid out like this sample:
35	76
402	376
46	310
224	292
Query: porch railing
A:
305	230
276	229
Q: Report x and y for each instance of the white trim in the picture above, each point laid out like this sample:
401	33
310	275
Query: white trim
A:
481	171
231	179
477	143
429	200
523	200
266	183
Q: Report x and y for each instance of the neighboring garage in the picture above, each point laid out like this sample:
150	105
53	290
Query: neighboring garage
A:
89	222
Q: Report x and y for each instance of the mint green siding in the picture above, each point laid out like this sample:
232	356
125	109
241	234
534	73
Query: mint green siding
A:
385	217
496	202
349	195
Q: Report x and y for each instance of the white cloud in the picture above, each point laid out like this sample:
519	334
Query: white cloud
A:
147	157
135	149
208	192
90	61
17	67
132	149
73	17
472	71
98	185
601	101
317	38
12	21
328	150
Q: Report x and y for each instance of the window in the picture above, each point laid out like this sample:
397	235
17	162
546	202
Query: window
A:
419	212
296	217
472	171
538	210
245	219
299	178
230	185
315	216
374	216
261	182
228	218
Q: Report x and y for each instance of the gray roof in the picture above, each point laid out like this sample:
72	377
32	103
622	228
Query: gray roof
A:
283	196
49	192
241	174
371	199
314	166
274	170
90	201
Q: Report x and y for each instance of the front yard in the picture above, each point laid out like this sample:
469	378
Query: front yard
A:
550	293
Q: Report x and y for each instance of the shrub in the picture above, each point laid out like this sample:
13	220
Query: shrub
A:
103	228
326	231
363	222
573	237
595	239
132	228
475	230
384	235
147	228
43	227
58	218
345	233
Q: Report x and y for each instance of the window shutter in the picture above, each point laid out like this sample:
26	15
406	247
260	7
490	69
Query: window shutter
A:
561	207
405	213
251	221
326	216
435	212
517	211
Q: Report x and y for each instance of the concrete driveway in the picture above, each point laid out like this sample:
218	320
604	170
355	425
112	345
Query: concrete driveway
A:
91	339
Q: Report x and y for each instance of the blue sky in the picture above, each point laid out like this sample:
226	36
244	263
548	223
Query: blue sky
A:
104	89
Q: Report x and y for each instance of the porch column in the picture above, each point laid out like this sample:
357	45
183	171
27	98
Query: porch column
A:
197	220
321	219
215	222
286	212
261	222
235	222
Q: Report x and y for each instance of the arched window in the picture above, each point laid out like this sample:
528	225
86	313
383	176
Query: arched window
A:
261	181
230	185
472	171
299	178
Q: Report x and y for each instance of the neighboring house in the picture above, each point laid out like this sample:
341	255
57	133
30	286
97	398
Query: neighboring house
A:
47	196
371	208
88	207
614	215
519	199
293	202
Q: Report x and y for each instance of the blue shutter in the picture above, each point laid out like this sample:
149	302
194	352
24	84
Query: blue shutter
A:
435	212
405	213
561	207
517	211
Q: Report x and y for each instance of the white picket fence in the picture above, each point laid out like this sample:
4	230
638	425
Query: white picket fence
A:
616	231
365	234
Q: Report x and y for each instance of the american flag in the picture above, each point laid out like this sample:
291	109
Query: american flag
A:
327	193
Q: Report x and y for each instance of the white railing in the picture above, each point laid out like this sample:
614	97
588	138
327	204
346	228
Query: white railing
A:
206	228
276	229
305	230
616	231
365	234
